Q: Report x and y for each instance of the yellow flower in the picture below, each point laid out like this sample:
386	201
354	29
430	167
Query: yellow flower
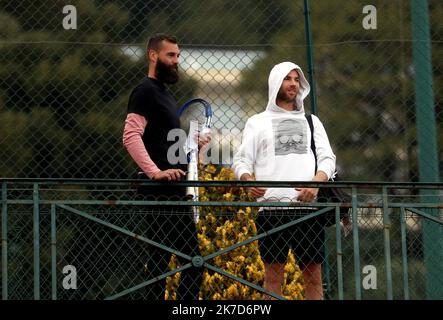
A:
232	291
220	227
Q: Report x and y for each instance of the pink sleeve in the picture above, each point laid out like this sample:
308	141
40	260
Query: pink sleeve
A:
135	125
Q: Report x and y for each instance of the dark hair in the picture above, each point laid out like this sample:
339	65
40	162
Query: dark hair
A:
154	43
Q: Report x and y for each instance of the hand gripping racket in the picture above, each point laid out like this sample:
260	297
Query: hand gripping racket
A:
195	116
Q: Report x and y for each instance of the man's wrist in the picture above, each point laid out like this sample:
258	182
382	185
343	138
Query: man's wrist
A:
153	174
320	176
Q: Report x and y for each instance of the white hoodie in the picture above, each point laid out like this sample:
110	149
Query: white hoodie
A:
276	144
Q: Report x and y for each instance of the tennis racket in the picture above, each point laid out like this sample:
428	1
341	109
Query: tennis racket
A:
198	114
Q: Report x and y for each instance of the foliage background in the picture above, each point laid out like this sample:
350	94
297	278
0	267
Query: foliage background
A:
63	93
63	97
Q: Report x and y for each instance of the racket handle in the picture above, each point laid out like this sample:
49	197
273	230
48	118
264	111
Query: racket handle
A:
192	175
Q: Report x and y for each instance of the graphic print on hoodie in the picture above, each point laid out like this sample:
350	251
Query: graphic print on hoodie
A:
276	143
290	136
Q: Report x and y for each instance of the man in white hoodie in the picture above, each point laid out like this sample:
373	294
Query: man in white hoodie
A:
276	147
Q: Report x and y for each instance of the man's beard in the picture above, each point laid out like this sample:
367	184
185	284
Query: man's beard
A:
281	95
165	73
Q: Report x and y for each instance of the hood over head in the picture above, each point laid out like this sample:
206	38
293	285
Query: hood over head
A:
276	76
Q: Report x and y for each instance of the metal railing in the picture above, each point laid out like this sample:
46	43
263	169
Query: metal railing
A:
95	227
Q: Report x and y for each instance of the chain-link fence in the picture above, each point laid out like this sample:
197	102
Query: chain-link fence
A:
96	240
67	68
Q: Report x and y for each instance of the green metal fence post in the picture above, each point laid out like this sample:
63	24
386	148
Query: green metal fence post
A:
53	253
427	144
4	242
387	243
310	56
339	253
357	270
36	227
404	253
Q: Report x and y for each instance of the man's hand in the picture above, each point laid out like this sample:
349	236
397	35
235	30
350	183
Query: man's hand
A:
309	194
256	192
306	194
204	138
170	175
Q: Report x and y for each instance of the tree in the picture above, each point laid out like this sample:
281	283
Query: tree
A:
63	94
364	87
